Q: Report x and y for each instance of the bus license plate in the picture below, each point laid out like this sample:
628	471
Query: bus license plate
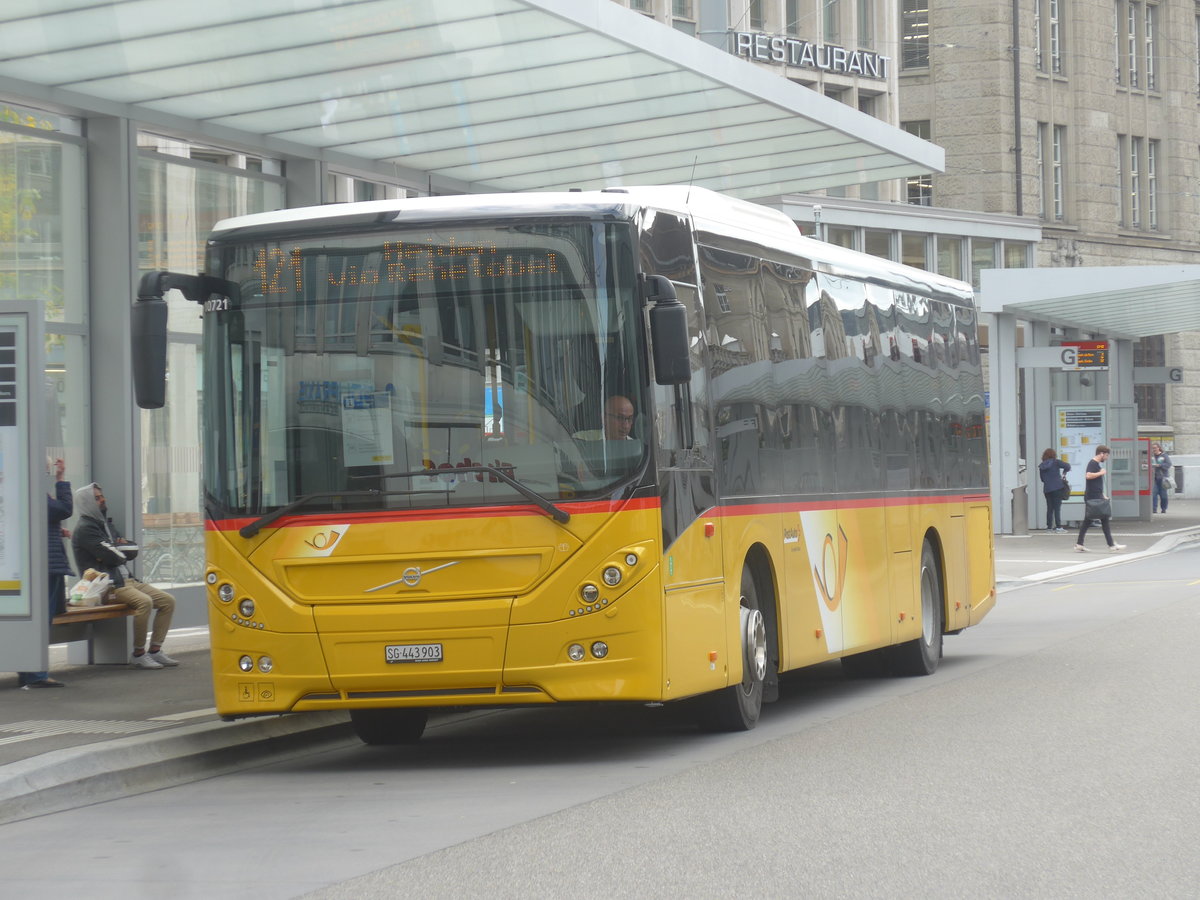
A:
405	653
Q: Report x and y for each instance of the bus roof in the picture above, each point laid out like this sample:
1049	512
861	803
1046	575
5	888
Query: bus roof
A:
711	213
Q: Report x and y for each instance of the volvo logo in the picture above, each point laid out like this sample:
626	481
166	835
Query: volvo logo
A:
411	577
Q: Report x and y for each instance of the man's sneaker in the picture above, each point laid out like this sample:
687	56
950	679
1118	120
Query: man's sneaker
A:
1060	531
1116	548
145	661
162	659
1081	548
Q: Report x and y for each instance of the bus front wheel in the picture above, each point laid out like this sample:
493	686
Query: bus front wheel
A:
922	655
737	707
389	727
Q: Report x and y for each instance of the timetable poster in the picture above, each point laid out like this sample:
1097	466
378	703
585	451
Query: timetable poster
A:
13	599
1081	429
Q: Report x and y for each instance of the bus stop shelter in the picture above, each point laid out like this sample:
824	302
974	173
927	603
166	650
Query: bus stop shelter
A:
1118	304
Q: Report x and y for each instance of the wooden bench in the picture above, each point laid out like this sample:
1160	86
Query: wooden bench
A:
98	635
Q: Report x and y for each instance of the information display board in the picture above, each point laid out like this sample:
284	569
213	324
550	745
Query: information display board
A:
24	609
14	468
1079	429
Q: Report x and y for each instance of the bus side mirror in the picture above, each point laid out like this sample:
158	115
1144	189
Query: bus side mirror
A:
668	332
148	327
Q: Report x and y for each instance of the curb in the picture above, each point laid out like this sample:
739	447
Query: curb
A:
1165	544
92	773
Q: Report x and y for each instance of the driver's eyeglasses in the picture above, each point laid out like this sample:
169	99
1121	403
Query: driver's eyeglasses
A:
628	420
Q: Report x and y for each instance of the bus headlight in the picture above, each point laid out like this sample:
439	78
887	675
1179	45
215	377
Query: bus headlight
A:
631	559
599	649
590	593
265	664
246	607
575	652
612	576
225	592
246	664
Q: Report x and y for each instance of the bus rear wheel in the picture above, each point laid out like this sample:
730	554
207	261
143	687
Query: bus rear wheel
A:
922	655
389	727
737	707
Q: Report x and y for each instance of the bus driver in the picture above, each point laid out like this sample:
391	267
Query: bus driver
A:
618	422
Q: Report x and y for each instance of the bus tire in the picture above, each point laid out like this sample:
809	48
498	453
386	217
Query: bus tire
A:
737	707
922	655
389	727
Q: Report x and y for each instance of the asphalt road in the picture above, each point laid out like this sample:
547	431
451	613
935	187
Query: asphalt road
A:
1052	755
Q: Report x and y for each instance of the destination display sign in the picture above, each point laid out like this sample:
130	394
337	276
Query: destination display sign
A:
284	271
1078	356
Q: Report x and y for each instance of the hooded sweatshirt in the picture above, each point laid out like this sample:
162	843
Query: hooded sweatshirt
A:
95	537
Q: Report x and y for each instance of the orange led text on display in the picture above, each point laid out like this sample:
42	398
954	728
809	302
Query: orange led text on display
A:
282	272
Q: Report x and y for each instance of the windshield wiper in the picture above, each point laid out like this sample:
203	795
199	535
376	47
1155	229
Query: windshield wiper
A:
559	515
262	522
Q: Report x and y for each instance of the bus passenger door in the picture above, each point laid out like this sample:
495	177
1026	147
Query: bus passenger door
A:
694	622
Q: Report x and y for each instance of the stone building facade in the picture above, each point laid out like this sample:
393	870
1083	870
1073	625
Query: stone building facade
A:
1089	127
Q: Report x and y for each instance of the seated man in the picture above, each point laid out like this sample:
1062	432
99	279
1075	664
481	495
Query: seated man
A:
618	421
97	545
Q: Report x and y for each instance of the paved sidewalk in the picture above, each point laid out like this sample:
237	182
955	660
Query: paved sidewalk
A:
114	731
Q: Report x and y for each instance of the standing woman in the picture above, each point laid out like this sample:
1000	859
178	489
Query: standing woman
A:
1052	469
1094	490
1162	469
58	510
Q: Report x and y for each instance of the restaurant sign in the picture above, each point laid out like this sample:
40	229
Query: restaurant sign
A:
785	51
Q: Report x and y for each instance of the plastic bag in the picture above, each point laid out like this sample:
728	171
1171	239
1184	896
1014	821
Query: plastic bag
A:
89	593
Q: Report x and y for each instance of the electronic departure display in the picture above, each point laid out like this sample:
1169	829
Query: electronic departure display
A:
283	271
1078	355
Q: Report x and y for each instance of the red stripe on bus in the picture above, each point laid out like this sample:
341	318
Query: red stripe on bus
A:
298	520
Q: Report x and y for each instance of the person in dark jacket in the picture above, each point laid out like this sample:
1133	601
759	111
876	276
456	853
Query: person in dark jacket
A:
98	545
1162	469
1051	470
58	510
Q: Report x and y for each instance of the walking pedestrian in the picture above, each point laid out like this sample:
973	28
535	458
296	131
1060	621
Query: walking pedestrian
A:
1093	490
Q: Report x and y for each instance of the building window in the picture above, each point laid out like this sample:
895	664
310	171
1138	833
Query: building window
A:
1057	165
1151	399
1152	185
831	21
913	250
919	188
983	256
1055	23
865	21
758	20
682	8
949	256
878	243
1039	59
1149	37
643	6
1135	182
792	17
1139	177
1051	165
1131	41
914	34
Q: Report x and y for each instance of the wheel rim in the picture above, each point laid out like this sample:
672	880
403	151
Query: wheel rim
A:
928	613
754	648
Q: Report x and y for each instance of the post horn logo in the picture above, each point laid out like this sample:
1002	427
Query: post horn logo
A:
832	558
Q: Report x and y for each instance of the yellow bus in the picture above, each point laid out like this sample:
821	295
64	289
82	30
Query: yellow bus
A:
640	445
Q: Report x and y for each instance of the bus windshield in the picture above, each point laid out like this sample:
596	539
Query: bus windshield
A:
413	367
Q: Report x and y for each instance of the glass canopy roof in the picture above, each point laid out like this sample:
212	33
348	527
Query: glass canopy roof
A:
487	94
